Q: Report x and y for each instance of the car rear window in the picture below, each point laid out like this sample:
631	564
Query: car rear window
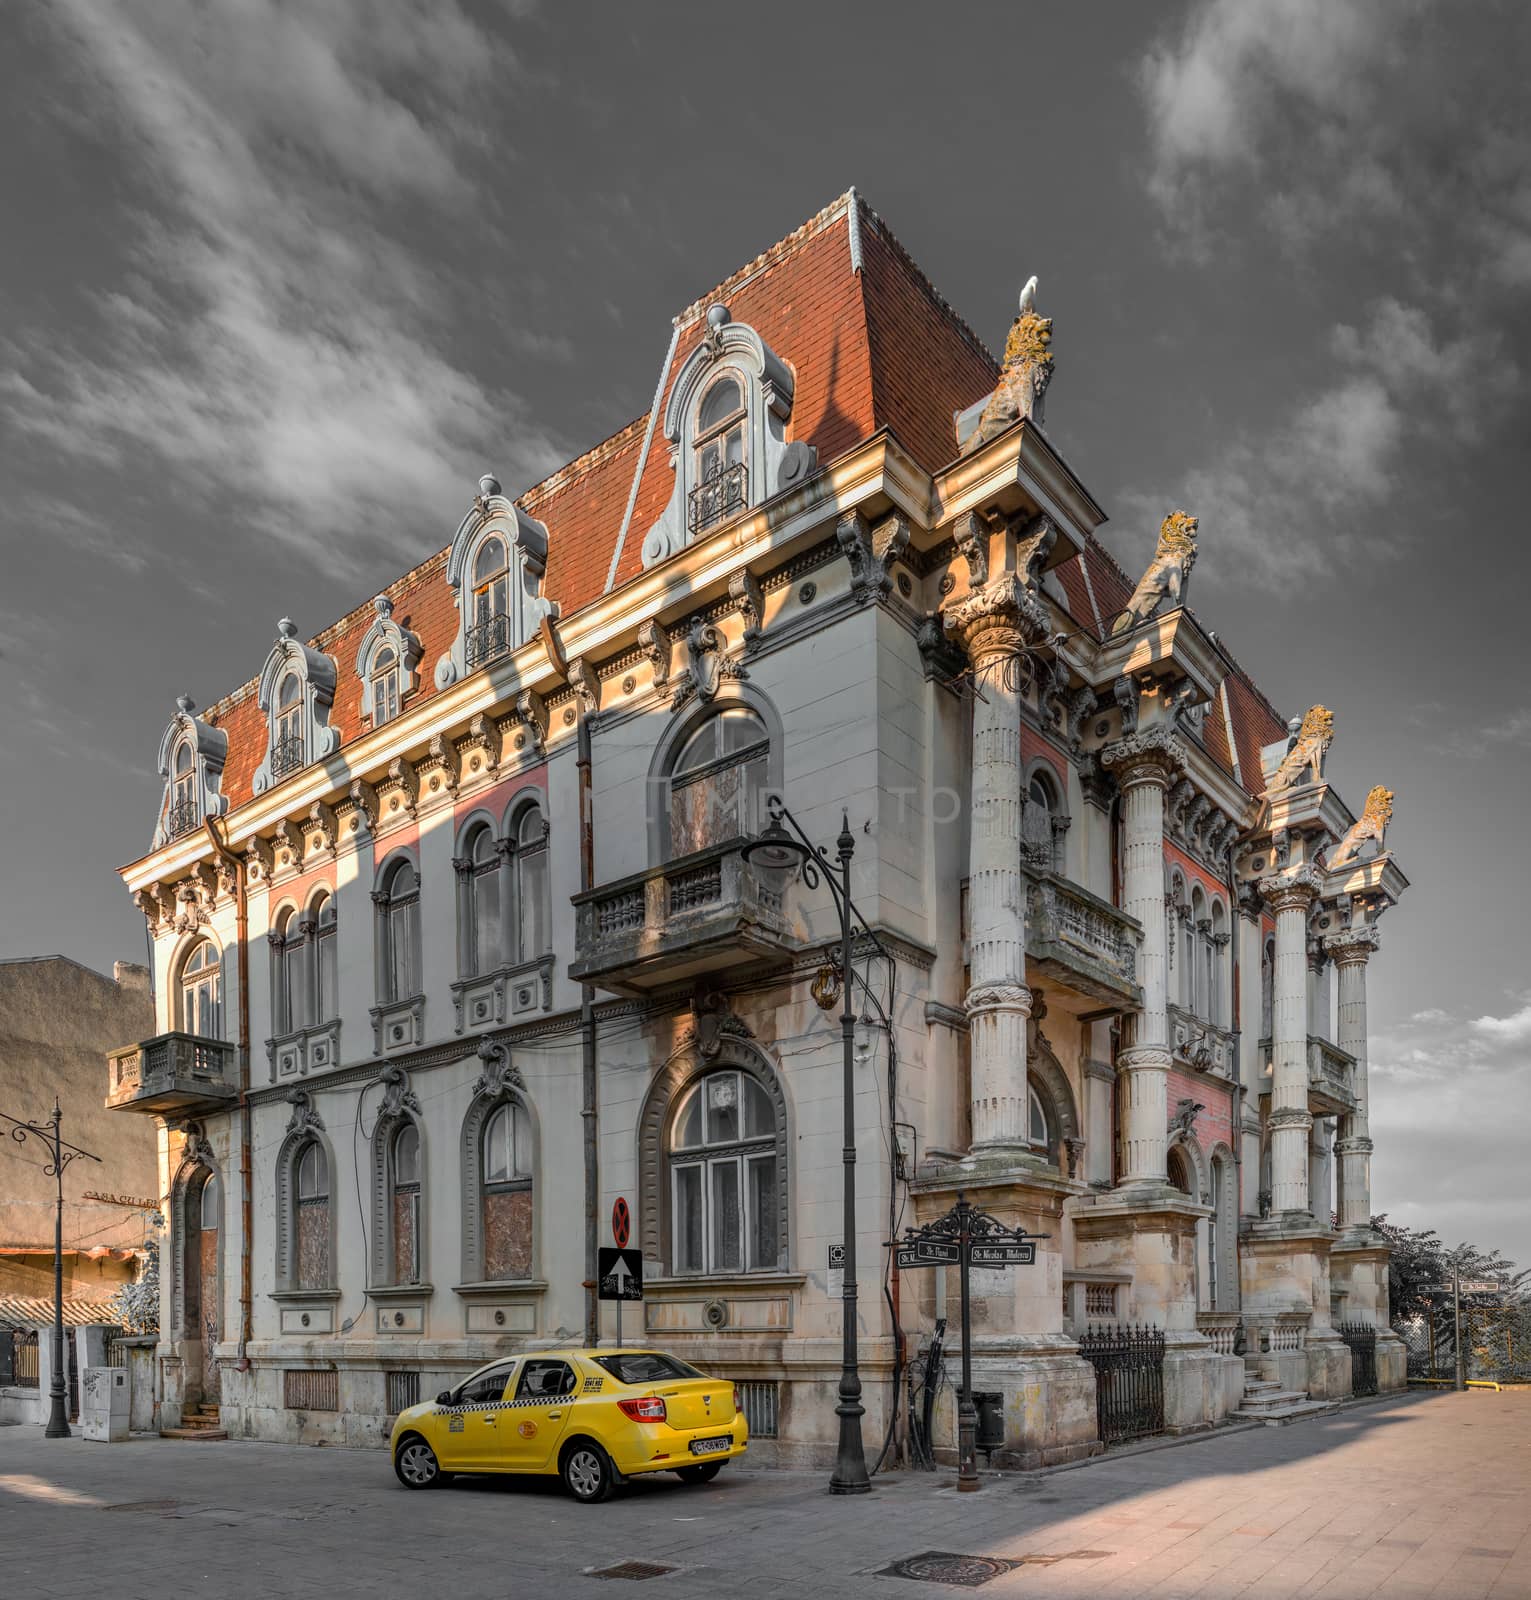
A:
645	1366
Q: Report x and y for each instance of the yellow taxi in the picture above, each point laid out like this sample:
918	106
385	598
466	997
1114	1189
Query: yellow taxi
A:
594	1417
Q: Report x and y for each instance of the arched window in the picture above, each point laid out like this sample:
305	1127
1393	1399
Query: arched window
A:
1043	824
506	1192
288	751
183	797
717	779
385	686
483	884
400	933
208	1203
1178	1170
722	474
529	885
725	1184
201	992
1036	1129
1218	1007
404	1187
312	1221
289	1008
326	959
489	631
1196	951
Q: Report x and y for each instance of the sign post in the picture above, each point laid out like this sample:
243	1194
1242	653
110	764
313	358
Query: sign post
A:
964	1238
619	1272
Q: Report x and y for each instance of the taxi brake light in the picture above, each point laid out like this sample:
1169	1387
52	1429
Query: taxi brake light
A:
738	1399
649	1409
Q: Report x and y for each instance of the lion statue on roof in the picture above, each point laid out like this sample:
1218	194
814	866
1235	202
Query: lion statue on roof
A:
1371	825
1306	755
1163	586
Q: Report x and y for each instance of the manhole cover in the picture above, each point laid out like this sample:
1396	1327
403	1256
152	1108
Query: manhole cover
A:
942	1566
144	1505
632	1569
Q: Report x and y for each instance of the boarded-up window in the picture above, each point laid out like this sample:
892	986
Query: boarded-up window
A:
313	1218
716	781
507	1193
406	1204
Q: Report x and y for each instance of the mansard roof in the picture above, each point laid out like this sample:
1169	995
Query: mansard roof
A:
871	345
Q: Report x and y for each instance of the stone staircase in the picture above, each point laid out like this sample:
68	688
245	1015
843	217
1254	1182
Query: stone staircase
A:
1266	1401
198	1422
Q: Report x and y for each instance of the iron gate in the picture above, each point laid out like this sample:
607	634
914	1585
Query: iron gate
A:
1129	1380
1361	1341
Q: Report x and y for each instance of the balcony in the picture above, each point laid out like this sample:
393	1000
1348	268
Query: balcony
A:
692	915
487	640
1331	1077
183	816
288	755
1200	1044
173	1074
1081	942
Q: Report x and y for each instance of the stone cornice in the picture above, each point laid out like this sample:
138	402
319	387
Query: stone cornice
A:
1151	755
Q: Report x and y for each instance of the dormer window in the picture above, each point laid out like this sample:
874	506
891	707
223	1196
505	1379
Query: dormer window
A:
489	634
722	475
386	665
296	691
495	568
191	757
385	687
287	752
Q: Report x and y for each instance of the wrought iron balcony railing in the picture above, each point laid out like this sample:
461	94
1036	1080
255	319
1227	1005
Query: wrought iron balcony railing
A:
172	1072
1081	941
288	755
718	497
691	915
487	640
183	816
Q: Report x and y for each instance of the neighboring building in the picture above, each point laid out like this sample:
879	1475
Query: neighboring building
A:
56	1020
840	561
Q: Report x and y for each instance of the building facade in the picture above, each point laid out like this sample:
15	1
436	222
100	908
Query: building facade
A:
455	942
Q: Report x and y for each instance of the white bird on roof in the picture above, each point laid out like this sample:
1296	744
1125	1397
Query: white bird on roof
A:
1029	295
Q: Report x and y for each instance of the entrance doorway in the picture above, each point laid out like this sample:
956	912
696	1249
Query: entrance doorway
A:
204	1287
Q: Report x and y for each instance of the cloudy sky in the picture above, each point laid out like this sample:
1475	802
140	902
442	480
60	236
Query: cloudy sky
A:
280	283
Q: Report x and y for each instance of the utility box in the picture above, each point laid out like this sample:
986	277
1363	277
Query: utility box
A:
104	1398
990	1406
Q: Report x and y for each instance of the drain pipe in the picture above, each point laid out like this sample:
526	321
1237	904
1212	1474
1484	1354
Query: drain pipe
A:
588	1077
246	1133
1236	1018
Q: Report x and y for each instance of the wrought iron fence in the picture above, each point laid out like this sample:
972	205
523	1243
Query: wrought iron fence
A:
182	817
1361	1341
1129	1380
1496	1343
18	1358
487	639
718	497
288	755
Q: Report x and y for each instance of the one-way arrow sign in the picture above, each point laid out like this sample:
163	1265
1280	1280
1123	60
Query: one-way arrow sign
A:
620	1273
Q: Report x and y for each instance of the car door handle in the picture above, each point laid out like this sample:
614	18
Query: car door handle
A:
553	1416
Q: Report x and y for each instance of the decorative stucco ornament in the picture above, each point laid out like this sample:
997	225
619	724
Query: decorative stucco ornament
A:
1025	373
1163	586
1371	825
707	665
1315	733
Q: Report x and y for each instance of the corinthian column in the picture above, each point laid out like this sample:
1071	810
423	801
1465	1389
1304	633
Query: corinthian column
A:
994	624
1350	951
1146	764
1290	897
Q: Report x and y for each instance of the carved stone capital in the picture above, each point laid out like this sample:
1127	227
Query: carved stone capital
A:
1291	891
1352	947
1144	1058
998	620
1153	755
1291	1117
999	997
1354	1146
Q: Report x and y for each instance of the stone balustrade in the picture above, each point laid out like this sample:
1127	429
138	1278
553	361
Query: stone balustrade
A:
177	1073
1081	941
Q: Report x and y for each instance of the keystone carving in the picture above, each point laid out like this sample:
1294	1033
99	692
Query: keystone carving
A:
707	665
398	1097
1310	744
1163	586
712	1021
1370	826
304	1118
500	1075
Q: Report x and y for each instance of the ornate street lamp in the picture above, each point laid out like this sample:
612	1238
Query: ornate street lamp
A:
60	1155
780	849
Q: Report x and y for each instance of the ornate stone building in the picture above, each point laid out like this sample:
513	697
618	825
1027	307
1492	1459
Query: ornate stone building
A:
455	943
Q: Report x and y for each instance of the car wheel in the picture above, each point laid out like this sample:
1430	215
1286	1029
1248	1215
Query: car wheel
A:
705	1472
587	1472
416	1466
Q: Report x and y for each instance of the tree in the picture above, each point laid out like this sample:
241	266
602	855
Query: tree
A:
135	1306
1421	1260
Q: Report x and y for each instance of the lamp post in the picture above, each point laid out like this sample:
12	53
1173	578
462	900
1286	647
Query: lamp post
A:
60	1155
774	854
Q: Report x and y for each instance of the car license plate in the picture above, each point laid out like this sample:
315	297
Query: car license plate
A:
709	1447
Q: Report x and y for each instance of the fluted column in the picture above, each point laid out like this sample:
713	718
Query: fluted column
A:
1290	1121
1350	951
993	625
1146	764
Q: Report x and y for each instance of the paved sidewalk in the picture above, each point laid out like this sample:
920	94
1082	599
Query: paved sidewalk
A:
1421	1495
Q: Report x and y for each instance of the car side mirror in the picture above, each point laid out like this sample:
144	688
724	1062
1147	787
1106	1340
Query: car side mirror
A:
444	1398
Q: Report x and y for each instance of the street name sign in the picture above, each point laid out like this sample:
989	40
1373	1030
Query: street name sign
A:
930	1253
620	1273
1003	1255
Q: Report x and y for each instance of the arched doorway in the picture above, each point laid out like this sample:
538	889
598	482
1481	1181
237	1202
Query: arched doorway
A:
202	1210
